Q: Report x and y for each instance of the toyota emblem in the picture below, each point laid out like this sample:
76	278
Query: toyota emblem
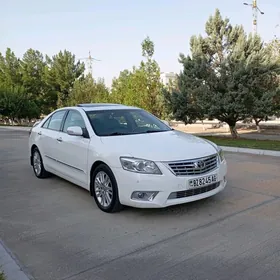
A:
199	164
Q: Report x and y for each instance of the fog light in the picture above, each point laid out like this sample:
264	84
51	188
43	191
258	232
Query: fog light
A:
144	196
141	195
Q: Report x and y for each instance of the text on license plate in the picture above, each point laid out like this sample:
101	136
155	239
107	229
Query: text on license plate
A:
203	181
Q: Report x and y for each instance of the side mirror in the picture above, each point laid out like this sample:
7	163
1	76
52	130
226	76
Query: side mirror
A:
75	131
36	123
165	122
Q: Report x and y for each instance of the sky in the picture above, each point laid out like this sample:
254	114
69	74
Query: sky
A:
114	29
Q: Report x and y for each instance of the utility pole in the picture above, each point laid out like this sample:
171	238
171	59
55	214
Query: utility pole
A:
89	61
255	10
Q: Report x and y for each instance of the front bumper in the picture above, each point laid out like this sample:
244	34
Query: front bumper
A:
172	190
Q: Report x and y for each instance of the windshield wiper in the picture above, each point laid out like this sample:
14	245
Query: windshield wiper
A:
115	133
153	131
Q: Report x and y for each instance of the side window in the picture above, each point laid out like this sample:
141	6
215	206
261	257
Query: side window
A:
56	120
74	118
46	124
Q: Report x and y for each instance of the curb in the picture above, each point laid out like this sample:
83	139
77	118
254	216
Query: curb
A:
20	128
9	265
251	151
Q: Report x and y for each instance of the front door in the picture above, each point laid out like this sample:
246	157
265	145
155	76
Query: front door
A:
73	150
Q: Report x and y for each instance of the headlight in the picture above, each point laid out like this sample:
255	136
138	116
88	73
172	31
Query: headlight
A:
218	149
139	165
221	154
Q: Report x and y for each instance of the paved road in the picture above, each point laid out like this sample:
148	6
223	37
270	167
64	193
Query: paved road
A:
56	231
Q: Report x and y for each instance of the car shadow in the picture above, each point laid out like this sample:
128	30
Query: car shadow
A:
150	213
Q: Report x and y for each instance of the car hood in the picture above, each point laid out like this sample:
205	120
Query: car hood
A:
160	146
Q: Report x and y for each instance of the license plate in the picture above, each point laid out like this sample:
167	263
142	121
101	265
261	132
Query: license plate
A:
203	181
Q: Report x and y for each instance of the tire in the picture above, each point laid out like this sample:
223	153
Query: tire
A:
106	197
38	166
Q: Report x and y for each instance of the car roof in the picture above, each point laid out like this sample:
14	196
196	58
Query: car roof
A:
103	106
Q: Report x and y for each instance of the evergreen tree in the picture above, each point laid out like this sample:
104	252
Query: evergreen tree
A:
10	74
263	81
61	74
33	68
222	75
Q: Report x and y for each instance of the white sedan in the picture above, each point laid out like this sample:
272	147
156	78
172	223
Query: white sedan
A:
126	156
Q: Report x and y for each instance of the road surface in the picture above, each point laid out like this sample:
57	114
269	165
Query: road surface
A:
56	231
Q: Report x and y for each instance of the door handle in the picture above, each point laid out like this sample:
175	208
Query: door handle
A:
59	139
40	133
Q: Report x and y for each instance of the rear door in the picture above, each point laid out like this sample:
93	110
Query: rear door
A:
48	141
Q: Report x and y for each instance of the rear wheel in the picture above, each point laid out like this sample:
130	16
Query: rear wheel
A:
105	189
38	166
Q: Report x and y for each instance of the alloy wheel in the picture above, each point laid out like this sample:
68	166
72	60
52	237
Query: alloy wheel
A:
103	189
37	164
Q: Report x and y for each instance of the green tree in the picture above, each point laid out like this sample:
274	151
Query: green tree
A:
2	275
88	90
263	83
33	67
120	87
61	74
16	104
10	74
220	75
130	88
172	85
148	48
274	47
221	68
141	87
154	94
181	101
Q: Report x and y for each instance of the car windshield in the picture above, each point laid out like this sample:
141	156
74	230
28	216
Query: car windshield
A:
125	122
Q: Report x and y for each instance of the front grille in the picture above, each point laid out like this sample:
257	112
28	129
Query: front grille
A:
192	192
194	166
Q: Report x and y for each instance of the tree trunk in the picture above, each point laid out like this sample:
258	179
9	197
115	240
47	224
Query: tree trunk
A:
233	131
257	122
203	126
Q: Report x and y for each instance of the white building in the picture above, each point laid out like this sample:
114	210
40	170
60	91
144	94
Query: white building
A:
166	78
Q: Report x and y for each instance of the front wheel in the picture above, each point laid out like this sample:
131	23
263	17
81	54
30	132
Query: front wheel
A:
38	166
105	189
